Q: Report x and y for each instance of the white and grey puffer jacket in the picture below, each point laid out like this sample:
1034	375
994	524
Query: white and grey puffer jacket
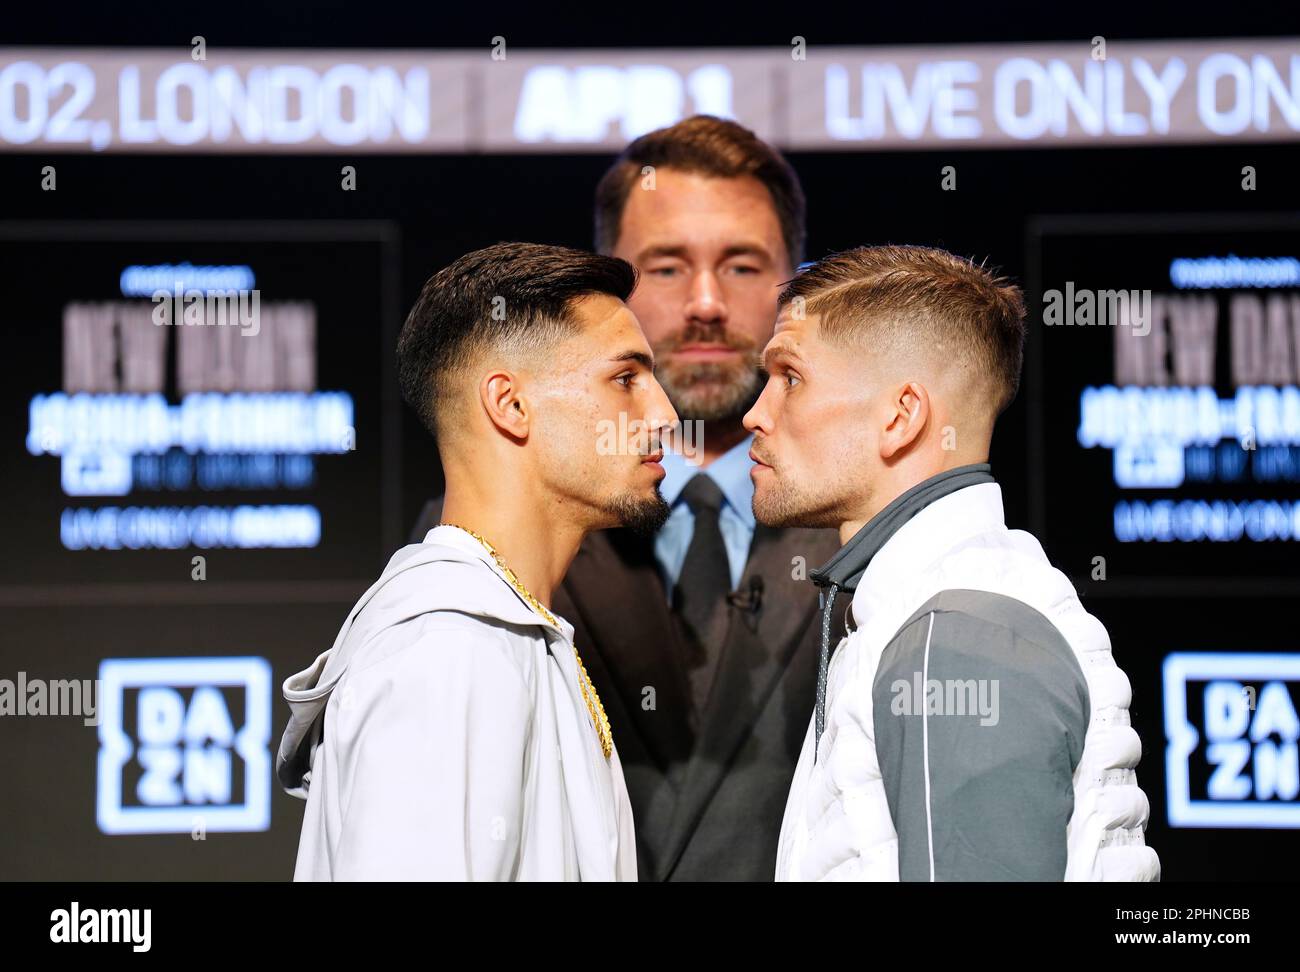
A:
838	823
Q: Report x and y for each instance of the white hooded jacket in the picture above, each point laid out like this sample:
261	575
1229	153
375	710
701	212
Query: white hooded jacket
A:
838	823
444	736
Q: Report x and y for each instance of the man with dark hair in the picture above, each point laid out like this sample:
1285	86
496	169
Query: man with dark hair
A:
452	732
702	640
974	725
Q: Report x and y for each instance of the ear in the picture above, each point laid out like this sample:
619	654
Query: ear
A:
501	395
907	413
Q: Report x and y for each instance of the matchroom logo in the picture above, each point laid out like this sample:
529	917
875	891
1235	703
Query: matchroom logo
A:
184	745
1231	722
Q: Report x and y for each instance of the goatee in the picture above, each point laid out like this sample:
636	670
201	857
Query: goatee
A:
643	516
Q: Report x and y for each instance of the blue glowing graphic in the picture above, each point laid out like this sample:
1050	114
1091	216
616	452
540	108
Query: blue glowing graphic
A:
184	749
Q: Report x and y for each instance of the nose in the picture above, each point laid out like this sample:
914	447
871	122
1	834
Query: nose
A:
661	417
758	420
705	302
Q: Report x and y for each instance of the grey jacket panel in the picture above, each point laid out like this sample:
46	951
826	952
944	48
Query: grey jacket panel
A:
980	713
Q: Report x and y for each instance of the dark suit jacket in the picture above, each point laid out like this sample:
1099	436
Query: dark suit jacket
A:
708	806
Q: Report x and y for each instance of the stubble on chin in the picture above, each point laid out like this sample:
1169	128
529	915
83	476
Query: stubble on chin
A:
643	515
782	507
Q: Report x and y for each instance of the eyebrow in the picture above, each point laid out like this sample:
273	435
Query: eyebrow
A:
638	356
779	352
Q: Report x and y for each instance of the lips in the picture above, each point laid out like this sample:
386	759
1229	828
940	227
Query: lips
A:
705	352
757	461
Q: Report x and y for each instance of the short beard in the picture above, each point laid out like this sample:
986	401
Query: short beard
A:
785	508
710	391
644	517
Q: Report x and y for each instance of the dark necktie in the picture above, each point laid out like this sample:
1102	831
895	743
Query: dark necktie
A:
700	597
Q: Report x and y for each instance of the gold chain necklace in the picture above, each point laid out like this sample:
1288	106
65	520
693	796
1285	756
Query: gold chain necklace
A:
597	711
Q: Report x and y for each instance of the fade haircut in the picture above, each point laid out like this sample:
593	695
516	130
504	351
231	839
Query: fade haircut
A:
905	296
708	146
516	297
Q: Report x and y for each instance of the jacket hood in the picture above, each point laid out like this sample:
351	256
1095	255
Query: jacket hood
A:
449	571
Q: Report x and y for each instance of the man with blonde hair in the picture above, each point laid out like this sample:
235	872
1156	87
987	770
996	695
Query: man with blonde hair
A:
973	725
